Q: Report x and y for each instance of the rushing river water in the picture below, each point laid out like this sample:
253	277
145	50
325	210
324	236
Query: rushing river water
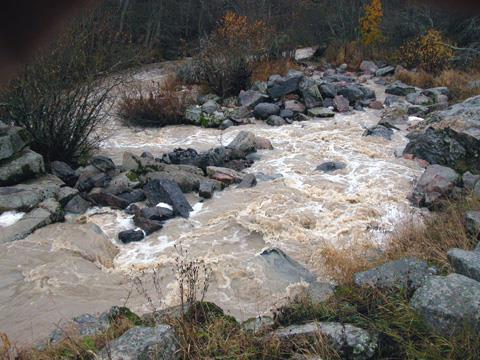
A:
68	269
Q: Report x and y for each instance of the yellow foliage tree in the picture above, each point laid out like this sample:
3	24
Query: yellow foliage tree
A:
370	24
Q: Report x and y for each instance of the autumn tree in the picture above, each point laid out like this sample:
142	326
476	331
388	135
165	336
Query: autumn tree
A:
370	23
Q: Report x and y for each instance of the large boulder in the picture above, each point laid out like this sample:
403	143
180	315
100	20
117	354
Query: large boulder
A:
251	98
264	110
91	177
12	141
235	176
472	220
465	262
384	71
77	205
400	89
129	236
187	177
350	341
143	343
102	163
436	183
320	112
101	197
24	165
64	172
341	104
242	145
449	303
379	131
282	86
368	67
167	191
450	137
312	97
407	273
283	268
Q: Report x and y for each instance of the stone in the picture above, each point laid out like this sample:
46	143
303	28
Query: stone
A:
226	124
352	92
258	324
140	343
466	263
375	105
476	190
472	221
193	114
274	120
262	143
449	303
341	104
350	341
328	90
65	194
187	177
91	178
157	213
243	144
202	99
22	166
206	189
251	98
101	197
437	93
122	183
436	183
319	292
102	163
223	178
368	67
210	107
385	71
306	53
321	112
134	196
470	180
400	89
237	176
12	141
149	226
248	181
167	191
331	166
312	97
64	172
379	131
129	236
295	106
418	98
409	273
77	205
264	110
282	268
287	114
284	85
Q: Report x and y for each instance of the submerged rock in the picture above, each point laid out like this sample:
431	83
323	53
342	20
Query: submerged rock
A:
330	166
284	267
248	181
379	131
242	145
129	236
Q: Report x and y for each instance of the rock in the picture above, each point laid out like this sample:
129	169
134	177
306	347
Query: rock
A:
262	143
193	114
274	120
311	94
319	292
101	197
449	303
284	85
226	124
342	68
368	67
141	343
80	326
379	131
181	156
476	190
418	98
206	189
202	99
470	180
375	105
466	263
328	90
243	144
157	213
321	113
264	177
352	92
92	178
436	183
287	114
235	175
307	53
122	183
248	181
264	110
65	194
210	107
295	106
406	273
129	236
330	166
283	268
341	104
252	98
48	211
133	196
451	137
437	93
167	191
64	172
385	71
77	205
12	141
351	342
258	324
187	177
472	220
395	117
149	226
102	163
400	89
22	166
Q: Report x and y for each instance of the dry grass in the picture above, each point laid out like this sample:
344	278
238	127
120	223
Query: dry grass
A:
262	70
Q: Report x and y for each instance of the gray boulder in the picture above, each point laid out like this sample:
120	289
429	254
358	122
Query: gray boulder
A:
143	343
102	163
465	262
328	90
12	141
379	131
321	112
341	104
206	189
248	181
311	94
77	205
449	303
472	220
65	194
470	180
405	273
129	236
287	114
187	177
351	92
91	177
385	71
264	110
24	165
284	85
167	191
283	268
64	172
251	98
418	98
350	341
436	183
101	197
400	89
295	106
243	144
210	107
331	166
274	120
368	67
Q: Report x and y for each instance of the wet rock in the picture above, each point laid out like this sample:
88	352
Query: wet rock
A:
351	342
242	145
149	226
258	324
226	124
311	94
284	268
328	90
321	113
264	110
122	183
264	177
252	98
65	194
436	183
92	178
282	86
449	303
157	213
77	205
133	196
129	236
418	98
341	104
394	117
368	67
385	71
262	143
22	166
375	105
275	120
466	263
235	175
140	343
248	181
206	189
472	220
214	157
181	156
102	163
167	191
379	131
64	172
400	89
295	106
101	197
210	107
470	180
330	166
406	273
187	177
352	92
12	141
